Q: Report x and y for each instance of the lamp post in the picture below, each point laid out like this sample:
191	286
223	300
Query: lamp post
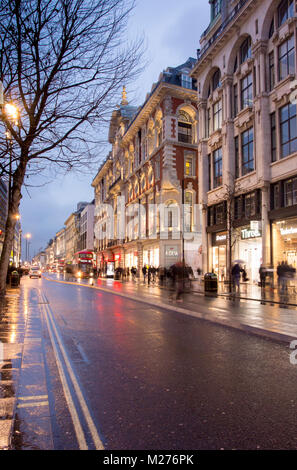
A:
12	113
27	237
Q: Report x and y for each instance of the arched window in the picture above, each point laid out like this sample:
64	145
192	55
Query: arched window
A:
245	50
143	183
172	215
215	82
184	127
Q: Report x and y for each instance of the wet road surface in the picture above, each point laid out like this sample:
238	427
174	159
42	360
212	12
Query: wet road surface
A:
117	373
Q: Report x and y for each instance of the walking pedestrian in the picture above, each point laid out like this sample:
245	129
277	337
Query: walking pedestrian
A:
235	273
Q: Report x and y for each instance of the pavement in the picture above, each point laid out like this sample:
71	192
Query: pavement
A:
22	372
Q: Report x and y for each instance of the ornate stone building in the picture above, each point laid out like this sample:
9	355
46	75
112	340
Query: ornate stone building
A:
246	80
153	168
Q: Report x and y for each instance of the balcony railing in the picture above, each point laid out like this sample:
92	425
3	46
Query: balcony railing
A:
223	26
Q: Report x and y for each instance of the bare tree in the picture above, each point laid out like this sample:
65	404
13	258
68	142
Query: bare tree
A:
62	62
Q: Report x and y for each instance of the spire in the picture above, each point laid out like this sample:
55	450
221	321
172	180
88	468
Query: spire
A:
124	101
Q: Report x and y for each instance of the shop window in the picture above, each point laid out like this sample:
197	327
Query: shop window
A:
288	128
285	11
247	91
219	214
286	58
290	192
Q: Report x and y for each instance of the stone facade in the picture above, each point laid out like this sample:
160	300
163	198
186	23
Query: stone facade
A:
247	151
153	161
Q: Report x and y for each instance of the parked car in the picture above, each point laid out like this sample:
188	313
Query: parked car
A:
35	272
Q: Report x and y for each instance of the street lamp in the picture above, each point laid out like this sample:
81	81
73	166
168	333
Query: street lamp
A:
12	113
27	237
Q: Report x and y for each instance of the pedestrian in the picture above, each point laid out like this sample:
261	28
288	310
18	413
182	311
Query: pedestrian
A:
235	274
144	270
149	275
262	273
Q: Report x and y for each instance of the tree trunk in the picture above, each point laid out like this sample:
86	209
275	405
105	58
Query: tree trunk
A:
16	196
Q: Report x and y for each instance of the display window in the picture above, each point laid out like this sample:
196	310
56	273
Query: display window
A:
284	239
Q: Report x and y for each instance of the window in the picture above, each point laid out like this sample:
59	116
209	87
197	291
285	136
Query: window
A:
273	137
189	170
188	211
271	29
246	50
216	80
235	100
184	128
290	192
285	11
288	130
271	71
186	81
236	145
208	122
250	205
209	171
286	58
247	151
217	168
247	91
157	169
215	8
217	115
143	183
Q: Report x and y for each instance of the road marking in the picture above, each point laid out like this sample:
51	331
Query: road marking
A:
82	443
91	425
33	397
33	405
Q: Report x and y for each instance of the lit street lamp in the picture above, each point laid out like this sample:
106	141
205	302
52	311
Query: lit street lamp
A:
27	237
12	113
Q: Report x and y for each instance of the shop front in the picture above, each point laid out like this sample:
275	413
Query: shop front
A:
131	259
284	242
248	249
218	255
151	256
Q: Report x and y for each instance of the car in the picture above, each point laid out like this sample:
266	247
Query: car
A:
35	272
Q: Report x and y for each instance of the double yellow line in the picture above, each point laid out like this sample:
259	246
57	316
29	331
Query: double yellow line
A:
60	352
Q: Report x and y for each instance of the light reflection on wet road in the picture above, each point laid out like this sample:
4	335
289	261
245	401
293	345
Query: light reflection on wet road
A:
155	379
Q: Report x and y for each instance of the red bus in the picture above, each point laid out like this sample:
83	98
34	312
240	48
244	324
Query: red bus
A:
83	263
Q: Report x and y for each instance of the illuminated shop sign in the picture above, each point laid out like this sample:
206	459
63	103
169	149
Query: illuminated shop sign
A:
248	233
221	238
288	231
172	252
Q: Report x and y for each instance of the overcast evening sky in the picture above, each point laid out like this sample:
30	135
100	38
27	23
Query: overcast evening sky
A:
172	30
